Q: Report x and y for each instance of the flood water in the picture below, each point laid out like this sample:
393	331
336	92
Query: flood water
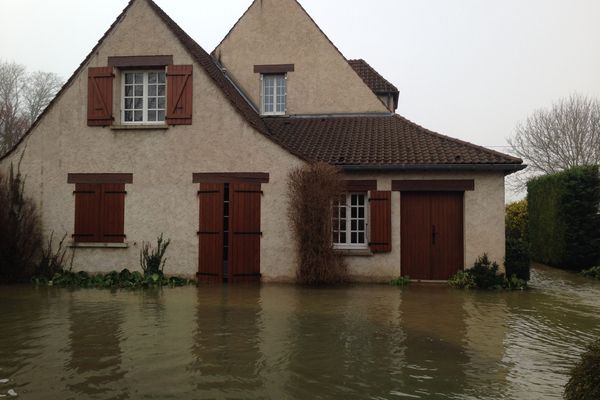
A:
287	342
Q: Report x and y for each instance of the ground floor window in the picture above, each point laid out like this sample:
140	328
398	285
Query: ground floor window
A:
350	221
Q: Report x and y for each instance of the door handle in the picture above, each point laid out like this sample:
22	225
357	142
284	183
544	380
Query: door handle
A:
433	234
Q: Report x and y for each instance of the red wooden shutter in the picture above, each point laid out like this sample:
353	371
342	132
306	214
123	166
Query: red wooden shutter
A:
179	94
210	262
100	96
87	216
112	213
381	222
245	234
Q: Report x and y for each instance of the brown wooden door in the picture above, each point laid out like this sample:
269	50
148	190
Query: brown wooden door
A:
244	232
210	234
431	234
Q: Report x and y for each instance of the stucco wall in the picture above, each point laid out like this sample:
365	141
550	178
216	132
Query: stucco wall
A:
280	32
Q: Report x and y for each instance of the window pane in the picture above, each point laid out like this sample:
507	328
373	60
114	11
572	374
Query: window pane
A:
129	116
137	116
342	237
151	116
354	224
361	224
128	90
353	238
161	77
128	79
152	78
139	103
161	103
152	90
361	237
139	78
361	212
161	90
128	104
139	90
161	116
152	103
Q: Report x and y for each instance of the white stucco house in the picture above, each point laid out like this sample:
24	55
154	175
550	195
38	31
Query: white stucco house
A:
152	134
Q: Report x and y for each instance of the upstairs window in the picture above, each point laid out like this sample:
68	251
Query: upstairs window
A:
273	94
350	221
144	97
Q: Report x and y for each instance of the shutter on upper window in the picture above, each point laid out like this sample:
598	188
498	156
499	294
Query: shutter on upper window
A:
100	96
179	94
381	221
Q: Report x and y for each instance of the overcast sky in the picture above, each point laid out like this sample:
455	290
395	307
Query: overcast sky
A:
471	69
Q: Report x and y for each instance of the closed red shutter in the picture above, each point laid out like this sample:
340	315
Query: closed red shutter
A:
87	216
179	94
210	263
112	213
245	234
380	240
100	96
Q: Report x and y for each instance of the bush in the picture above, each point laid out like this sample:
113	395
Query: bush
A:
400	281
312	190
52	261
112	280
153	261
484	275
20	230
564	224
518	255
518	259
517	220
585	377
593	272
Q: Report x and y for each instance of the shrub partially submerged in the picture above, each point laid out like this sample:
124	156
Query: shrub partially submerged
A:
484	275
152	260
585	376
400	281
20	232
312	189
124	279
593	272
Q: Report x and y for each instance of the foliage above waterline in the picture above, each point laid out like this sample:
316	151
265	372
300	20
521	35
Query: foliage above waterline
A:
484	275
112	280
400	281
593	272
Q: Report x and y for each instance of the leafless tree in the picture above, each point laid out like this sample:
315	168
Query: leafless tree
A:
564	136
23	96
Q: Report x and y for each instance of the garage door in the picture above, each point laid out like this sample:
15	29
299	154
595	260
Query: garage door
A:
431	234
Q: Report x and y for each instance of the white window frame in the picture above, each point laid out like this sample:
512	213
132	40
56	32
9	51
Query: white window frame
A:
144	120
348	245
262	95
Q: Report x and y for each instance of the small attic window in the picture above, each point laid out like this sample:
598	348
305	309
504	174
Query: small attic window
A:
143	97
273	94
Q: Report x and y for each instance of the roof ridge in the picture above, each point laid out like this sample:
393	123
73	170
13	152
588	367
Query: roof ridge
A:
68	83
459	141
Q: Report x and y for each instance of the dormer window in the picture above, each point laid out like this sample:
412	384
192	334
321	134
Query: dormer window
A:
273	94
144	97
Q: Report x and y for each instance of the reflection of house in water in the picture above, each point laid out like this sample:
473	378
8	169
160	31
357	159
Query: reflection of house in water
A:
95	336
226	348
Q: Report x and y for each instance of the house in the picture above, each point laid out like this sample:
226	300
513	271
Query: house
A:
154	135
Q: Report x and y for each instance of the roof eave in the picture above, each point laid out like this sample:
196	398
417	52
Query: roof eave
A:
506	168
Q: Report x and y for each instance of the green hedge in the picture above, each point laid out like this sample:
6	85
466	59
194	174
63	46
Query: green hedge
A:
518	259
564	224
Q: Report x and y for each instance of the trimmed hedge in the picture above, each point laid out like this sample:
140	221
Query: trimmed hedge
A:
564	224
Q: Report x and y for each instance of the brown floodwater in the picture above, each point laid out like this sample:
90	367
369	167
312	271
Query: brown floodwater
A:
288	342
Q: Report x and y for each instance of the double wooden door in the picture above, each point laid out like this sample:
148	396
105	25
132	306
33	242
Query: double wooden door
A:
229	234
431	234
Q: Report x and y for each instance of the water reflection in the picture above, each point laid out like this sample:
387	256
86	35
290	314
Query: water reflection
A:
226	338
95	334
282	341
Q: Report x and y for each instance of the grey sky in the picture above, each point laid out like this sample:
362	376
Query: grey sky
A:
471	69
